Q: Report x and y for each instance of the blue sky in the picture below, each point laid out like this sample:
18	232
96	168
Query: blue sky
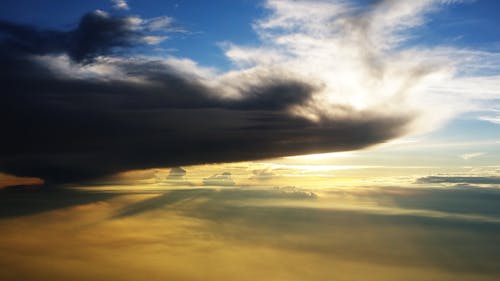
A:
207	22
471	24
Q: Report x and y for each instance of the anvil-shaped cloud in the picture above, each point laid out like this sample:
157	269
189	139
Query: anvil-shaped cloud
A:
329	76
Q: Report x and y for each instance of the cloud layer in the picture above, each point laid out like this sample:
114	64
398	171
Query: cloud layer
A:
266	233
325	79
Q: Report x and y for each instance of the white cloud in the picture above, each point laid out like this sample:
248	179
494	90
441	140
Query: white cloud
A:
120	4
154	40
469	156
159	23
359	58
492	119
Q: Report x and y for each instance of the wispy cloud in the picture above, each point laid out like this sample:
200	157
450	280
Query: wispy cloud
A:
468	156
492	119
460	180
361	57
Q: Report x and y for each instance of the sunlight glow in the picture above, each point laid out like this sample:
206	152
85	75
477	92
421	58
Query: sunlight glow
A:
322	156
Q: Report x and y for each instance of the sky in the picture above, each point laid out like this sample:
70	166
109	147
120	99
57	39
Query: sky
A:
270	139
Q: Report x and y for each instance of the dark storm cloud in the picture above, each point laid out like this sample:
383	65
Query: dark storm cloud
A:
65	125
96	34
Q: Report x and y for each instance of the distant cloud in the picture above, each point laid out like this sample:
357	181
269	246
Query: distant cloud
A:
460	180
216	196
292	192
469	156
387	234
120	4
223	179
154	40
9	180
159	23
262	174
176	173
491	119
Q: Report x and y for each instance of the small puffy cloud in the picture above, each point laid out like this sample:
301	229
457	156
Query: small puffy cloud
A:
120	4
262	174
223	179
292	192
176	173
153	39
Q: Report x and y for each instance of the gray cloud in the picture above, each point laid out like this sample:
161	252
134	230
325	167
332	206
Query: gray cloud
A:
97	34
176	173
223	179
262	174
460	180
72	113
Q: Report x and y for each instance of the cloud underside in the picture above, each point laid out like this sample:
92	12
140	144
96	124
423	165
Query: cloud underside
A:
72	113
